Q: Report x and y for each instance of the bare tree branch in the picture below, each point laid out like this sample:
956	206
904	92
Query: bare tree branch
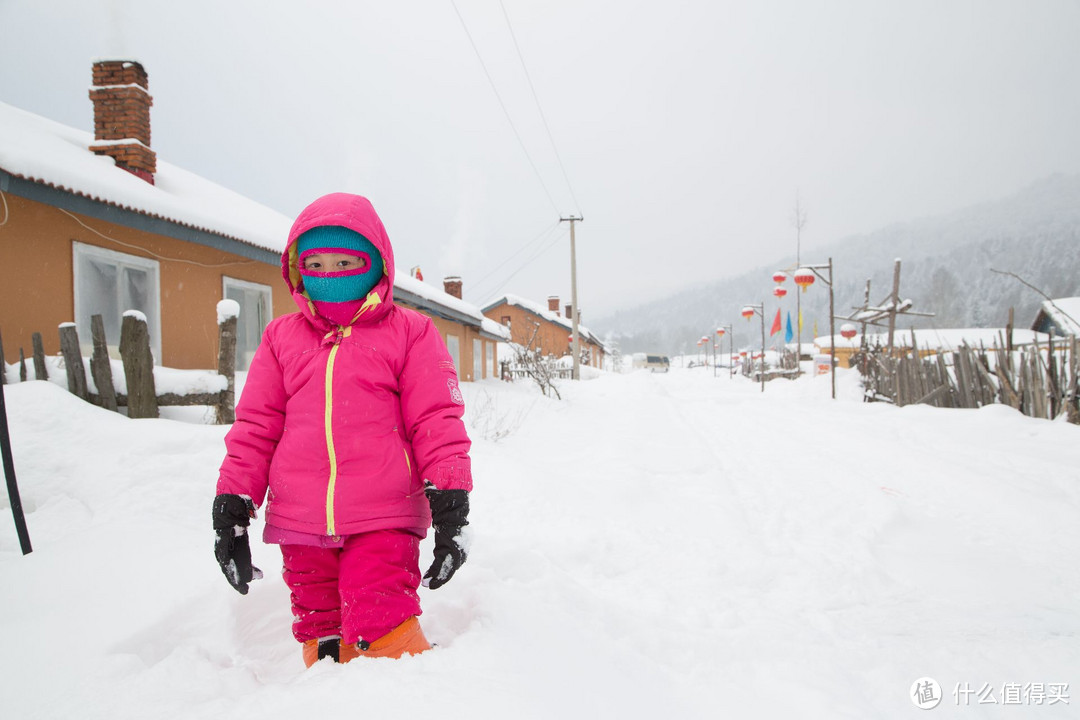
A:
1048	298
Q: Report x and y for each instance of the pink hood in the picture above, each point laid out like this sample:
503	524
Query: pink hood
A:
356	213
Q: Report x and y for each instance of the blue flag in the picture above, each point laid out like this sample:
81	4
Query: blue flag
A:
787	333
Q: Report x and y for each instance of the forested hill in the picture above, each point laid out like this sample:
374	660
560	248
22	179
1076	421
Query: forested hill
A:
946	270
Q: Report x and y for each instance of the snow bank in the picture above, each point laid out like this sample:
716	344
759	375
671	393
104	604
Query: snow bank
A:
654	545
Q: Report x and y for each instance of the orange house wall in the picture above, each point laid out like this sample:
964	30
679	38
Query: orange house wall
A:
552	339
38	291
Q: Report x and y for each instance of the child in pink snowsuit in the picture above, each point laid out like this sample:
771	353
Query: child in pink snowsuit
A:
350	428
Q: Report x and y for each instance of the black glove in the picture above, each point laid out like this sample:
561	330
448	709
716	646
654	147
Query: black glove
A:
449	514
232	515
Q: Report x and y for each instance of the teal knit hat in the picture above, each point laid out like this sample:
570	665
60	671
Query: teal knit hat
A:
339	286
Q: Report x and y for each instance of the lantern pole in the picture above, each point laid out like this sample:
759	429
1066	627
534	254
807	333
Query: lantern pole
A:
759	310
721	330
798	335
832	316
715	358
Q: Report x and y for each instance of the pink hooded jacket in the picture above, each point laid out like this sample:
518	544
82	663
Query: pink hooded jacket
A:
345	425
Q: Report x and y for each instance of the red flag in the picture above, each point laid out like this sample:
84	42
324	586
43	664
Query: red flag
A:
776	324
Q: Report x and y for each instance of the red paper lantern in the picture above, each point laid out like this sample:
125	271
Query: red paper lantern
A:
748	312
804	278
847	330
720	332
779	291
779	277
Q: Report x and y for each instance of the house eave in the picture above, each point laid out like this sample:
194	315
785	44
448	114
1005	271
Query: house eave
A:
421	303
100	209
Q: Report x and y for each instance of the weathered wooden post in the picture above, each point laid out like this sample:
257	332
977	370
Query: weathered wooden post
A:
40	371
138	366
3	365
227	313
22	365
9	474
1071	405
101	365
73	363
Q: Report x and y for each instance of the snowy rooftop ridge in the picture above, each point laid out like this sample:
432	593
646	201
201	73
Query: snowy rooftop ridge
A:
537	309
941	339
439	297
47	152
1065	312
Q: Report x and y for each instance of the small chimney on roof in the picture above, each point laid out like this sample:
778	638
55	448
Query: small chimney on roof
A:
570	311
122	101
553	304
452	286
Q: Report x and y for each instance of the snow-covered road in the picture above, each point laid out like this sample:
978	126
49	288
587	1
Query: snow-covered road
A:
677	544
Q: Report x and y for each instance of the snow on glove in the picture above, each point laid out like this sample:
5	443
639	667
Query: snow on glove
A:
449	514
232	515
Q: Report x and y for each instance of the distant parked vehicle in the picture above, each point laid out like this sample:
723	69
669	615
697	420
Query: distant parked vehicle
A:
654	363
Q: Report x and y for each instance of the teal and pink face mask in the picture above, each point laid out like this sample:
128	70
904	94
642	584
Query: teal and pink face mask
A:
338	295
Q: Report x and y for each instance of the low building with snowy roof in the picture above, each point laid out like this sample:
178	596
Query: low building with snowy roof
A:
929	341
121	230
533	326
471	338
1060	316
118	229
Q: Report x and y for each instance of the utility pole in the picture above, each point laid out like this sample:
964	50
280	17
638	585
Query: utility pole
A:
895	301
575	340
800	221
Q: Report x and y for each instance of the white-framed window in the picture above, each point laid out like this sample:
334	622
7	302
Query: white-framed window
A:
453	344
109	283
256	303
477	359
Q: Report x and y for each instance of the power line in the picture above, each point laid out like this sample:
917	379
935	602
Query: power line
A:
503	106
528	262
536	99
517	252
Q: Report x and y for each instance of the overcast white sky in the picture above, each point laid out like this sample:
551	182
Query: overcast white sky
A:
686	128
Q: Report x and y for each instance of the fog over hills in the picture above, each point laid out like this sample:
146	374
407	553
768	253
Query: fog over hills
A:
945	270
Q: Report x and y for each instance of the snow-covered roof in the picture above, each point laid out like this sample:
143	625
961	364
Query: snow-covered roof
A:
1065	313
939	339
427	296
542	311
47	152
43	151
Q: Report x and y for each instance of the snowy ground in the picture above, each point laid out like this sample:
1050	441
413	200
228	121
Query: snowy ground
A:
671	545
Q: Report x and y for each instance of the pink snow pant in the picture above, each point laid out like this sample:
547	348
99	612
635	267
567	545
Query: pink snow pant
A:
360	591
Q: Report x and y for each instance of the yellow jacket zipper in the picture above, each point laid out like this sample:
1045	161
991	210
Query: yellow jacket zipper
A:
328	419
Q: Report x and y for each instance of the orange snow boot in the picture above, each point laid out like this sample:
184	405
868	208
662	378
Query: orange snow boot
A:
331	647
406	639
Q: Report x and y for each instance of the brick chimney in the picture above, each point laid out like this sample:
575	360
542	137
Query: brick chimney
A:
452	286
553	304
122	103
570	311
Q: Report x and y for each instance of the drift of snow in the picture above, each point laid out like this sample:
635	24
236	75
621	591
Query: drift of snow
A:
654	545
